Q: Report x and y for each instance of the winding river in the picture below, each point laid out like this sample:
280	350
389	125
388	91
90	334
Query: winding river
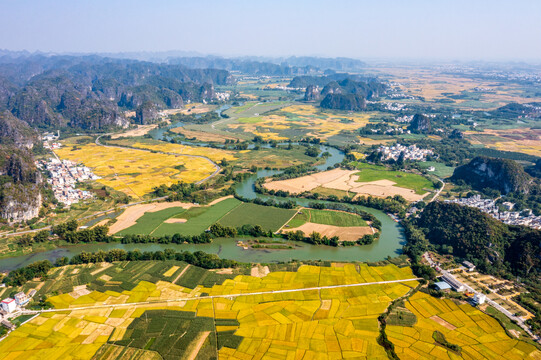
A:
389	243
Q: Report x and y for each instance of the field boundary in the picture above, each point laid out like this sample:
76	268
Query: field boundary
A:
228	296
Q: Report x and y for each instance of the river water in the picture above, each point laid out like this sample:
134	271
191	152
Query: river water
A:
389	243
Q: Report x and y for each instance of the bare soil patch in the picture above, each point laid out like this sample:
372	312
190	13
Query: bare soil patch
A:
175	221
259	271
104	266
105	277
345	180
101	223
225	271
442	322
197	344
181	273
309	182
79	291
352	233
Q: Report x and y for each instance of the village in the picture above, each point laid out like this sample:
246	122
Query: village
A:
411	152
64	175
489	206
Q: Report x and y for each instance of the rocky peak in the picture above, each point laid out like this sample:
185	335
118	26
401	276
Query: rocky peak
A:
312	93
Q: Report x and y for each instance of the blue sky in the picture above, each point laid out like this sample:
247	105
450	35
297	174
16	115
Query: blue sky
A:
431	29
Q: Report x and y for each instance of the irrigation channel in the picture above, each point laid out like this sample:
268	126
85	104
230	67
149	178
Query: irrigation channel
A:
389	243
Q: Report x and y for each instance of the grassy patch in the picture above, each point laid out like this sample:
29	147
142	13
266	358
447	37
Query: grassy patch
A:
441	170
326	217
151	220
268	217
403	179
199	219
401	316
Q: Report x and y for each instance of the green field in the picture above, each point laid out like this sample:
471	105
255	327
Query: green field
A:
326	217
150	221
268	217
403	179
170	333
441	171
199	219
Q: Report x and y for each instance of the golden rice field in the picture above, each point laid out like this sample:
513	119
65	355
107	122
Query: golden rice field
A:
479	335
317	122
524	140
211	153
136	172
337	323
326	324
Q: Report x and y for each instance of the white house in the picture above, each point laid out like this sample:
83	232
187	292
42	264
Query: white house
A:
479	299
9	305
21	298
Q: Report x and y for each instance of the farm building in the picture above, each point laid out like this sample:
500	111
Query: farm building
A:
469	265
9	305
8	325
454	283
442	285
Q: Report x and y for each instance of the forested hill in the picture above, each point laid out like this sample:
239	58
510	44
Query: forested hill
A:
92	92
490	244
349	94
503	175
20	180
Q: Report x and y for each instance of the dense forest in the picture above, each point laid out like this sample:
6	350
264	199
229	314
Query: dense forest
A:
493	246
92	92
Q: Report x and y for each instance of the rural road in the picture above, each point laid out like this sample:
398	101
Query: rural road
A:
439	190
229	296
519	321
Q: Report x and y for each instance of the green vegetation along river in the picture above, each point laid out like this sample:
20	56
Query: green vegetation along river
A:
389	243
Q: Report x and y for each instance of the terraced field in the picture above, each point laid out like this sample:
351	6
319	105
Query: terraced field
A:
478	335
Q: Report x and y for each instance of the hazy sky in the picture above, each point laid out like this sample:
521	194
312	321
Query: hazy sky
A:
436	29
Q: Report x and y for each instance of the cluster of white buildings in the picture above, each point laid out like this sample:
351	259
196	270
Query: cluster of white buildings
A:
404	119
389	106
411	152
49	140
222	96
525	218
63	177
13	307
